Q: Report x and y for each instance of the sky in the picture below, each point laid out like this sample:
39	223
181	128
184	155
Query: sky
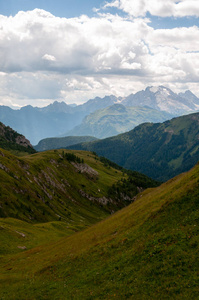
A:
74	50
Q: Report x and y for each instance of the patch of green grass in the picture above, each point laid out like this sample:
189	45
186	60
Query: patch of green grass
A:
148	250
17	236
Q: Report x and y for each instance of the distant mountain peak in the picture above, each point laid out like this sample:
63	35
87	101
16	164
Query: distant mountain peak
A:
159	89
188	95
58	106
163	99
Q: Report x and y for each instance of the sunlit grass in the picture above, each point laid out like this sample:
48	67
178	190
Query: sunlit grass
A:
148	250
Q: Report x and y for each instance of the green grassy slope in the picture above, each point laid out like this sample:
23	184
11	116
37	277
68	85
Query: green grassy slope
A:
66	190
47	187
160	150
148	250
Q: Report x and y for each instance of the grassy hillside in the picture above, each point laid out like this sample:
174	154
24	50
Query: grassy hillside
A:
148	250
160	150
66	190
56	185
62	142
116	119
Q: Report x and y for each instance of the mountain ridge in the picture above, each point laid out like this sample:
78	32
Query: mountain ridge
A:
61	142
159	150
117	119
12	140
58	118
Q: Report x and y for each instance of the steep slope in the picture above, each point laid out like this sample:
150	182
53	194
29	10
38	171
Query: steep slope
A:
54	185
160	150
116	119
62	142
163	99
11	140
75	187
148	250
188	95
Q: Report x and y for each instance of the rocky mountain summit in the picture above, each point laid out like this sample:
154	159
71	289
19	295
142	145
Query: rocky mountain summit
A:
164	99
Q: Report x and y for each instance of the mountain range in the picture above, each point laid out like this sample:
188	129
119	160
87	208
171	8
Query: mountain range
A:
163	99
116	119
59	119
159	150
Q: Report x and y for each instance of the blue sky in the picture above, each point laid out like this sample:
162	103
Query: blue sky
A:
76	50
61	8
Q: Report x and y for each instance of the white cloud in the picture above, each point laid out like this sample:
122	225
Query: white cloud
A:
43	57
166	8
49	57
185	39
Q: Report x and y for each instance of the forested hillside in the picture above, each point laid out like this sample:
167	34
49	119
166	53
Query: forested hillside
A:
160	150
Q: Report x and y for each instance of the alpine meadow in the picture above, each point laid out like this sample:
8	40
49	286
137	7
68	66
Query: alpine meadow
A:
99	150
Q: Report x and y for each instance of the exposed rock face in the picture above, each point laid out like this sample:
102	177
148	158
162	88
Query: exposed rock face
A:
101	200
9	135
21	140
84	168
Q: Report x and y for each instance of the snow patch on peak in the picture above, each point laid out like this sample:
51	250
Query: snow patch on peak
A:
154	89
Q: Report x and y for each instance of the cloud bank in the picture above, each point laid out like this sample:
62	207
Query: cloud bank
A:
166	8
43	57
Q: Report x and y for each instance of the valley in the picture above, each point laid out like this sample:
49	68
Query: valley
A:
147	250
83	218
99	150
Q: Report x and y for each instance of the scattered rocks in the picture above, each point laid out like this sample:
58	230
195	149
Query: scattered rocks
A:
2	154
84	168
22	247
4	168
102	200
22	234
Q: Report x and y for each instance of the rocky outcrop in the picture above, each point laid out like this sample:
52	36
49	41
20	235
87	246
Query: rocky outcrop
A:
21	140
8	136
86	169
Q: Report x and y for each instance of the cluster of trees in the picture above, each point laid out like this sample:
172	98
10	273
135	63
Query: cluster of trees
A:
72	157
131	185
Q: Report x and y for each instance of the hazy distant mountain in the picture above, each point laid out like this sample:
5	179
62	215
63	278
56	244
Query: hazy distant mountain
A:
58	118
50	121
163	99
62	142
116	119
188	95
160	150
97	103
37	123
57	107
